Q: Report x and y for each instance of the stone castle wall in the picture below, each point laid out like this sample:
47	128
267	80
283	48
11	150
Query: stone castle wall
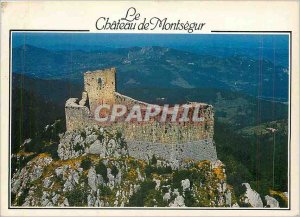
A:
166	132
176	153
79	116
181	140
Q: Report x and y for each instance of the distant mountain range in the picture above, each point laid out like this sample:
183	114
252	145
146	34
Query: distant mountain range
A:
153	67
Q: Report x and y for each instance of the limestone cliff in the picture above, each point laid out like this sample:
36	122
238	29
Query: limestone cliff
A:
94	169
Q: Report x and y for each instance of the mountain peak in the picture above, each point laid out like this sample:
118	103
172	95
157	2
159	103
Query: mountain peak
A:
29	47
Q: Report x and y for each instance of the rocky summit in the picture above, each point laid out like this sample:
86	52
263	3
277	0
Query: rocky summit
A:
93	169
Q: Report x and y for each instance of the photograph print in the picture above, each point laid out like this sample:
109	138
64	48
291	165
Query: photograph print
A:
149	120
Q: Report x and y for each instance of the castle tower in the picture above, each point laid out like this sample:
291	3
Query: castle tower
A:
100	86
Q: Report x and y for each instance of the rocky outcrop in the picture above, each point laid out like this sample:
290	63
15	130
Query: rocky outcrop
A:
92	179
113	182
96	170
31	172
271	202
252	197
92	140
185	184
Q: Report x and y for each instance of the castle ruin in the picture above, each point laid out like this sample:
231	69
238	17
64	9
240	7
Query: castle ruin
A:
175	141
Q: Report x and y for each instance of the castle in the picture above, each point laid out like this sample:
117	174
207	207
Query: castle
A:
176	141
